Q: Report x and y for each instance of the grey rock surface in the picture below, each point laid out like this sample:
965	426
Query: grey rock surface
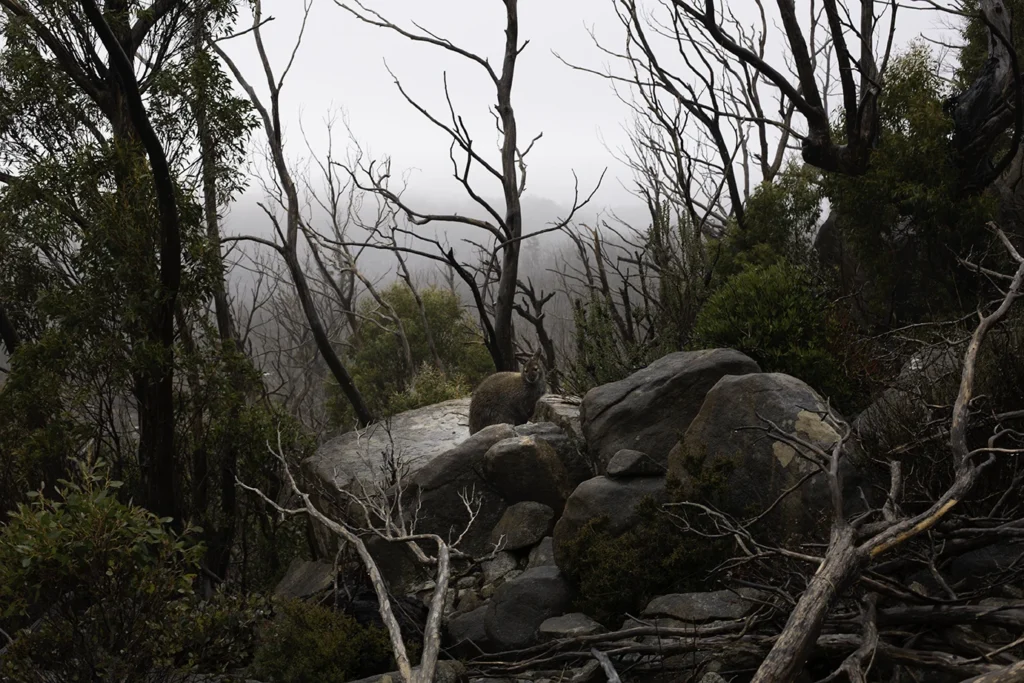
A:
520	606
523	525
615	499
564	411
630	463
498	566
543	554
437	486
728	459
571	450
304	578
468	627
527	468
700	607
419	436
650	410
570	626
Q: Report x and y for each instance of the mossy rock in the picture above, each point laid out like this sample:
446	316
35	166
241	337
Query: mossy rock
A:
618	573
728	458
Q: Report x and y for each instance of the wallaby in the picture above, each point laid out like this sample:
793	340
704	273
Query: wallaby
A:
507	397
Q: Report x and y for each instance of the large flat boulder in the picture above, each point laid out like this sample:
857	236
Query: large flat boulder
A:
651	409
728	458
418	436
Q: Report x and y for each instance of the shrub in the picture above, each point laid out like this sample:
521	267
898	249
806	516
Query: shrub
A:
619	575
602	355
308	642
780	219
907	219
427	387
377	365
106	580
783	320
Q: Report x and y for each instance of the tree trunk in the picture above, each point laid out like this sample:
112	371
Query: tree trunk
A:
504	342
323	341
154	382
787	657
8	335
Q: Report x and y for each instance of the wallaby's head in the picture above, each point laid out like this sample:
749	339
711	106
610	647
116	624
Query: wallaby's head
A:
533	371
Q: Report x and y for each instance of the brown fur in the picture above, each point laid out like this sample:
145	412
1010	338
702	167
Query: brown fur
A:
507	397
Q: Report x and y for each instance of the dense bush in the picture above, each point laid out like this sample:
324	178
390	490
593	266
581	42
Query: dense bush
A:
616	575
377	364
783	319
308	642
907	220
109	584
780	219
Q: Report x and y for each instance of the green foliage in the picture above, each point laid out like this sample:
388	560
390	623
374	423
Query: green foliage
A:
221	634
108	581
905	218
602	354
617	575
779	222
427	387
378	366
783	319
308	642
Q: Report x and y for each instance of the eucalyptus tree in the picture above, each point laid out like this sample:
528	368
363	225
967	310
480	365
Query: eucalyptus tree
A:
104	112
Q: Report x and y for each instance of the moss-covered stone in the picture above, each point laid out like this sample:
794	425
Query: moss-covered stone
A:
616	574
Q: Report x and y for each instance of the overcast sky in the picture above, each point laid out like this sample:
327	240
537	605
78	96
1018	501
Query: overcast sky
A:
341	66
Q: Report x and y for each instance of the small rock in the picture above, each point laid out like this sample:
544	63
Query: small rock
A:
570	626
468	600
305	578
697	607
494	569
564	411
524	524
543	554
614	499
469	627
712	677
520	606
527	468
466	582
630	463
590	673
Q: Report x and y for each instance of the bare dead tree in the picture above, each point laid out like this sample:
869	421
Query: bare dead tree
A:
858	45
503	227
286	243
532	311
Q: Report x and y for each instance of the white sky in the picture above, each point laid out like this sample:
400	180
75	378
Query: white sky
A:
341	65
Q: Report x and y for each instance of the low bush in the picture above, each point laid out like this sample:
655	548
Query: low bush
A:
105	586
616	575
308	642
782	318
